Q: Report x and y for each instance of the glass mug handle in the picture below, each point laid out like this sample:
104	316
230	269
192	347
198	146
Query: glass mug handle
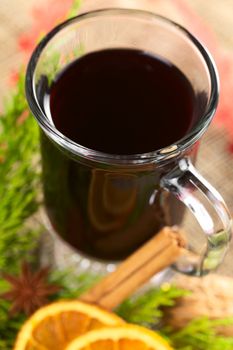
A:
185	183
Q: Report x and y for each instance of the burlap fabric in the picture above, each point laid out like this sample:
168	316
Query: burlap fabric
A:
214	161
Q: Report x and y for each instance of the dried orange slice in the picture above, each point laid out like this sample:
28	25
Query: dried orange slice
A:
54	326
121	338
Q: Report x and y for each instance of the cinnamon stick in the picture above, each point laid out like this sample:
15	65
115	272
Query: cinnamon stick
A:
158	253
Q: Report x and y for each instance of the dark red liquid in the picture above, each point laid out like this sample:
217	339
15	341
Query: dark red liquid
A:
122	102
119	102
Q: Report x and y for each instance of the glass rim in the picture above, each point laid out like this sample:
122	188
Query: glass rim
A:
155	156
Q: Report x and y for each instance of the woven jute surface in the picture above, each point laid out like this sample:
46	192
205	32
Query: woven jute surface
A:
214	161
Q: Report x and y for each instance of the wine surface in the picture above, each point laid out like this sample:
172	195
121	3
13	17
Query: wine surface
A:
122	101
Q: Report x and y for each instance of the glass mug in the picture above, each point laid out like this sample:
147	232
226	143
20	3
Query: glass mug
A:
104	206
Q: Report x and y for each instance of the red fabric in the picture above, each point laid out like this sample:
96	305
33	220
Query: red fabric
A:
45	18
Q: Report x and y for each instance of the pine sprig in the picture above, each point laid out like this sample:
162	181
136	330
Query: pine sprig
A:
19	178
74	9
9	327
201	334
72	284
147	309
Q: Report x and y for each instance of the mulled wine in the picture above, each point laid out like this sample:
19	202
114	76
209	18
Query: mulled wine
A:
120	102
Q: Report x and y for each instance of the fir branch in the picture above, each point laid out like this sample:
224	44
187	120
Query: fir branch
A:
201	334
74	9
72	284
9	327
19	178
146	309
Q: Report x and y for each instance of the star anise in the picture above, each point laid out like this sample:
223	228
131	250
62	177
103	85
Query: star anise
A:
29	291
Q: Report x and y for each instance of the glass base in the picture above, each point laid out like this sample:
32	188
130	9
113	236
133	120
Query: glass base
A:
60	255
